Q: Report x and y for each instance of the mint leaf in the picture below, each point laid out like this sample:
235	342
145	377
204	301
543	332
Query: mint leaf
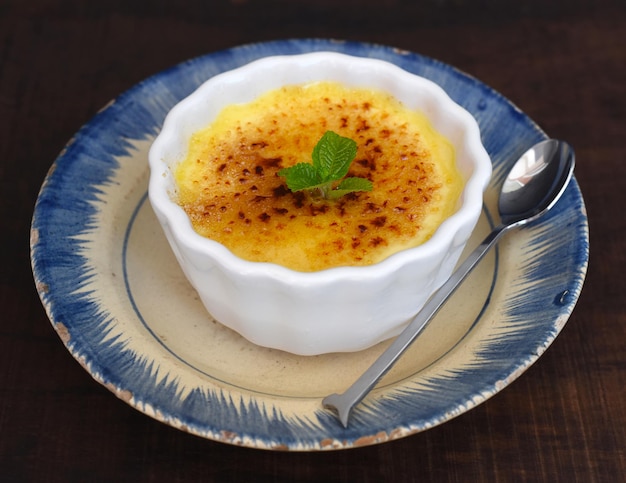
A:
355	184
301	176
331	156
349	185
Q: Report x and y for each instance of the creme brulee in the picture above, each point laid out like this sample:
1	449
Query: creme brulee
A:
229	187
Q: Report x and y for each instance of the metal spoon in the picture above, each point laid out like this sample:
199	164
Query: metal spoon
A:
532	187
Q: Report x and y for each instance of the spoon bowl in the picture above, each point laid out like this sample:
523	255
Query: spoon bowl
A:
536	182
532	187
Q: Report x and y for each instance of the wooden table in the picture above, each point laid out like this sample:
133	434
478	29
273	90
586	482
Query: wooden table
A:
564	64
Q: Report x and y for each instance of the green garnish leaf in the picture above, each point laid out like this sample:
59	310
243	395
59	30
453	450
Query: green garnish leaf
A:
348	185
301	176
332	157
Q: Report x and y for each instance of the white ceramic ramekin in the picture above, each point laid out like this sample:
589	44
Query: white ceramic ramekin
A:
339	309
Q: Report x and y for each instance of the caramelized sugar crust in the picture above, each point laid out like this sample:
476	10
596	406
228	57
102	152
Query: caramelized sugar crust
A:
229	186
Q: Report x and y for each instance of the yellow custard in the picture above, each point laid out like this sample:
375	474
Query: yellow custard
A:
229	187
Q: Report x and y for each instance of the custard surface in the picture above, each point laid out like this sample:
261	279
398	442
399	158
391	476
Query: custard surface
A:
229	187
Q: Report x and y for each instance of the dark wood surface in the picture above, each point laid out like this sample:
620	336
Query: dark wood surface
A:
561	62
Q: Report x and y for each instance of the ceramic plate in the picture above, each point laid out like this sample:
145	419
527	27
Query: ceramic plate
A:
123	308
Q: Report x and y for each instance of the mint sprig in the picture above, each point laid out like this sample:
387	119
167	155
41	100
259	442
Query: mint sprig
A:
331	156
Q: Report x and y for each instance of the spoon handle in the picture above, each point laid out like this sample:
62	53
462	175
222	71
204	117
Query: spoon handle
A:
345	402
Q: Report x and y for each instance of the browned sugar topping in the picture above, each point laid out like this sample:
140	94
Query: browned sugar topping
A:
235	196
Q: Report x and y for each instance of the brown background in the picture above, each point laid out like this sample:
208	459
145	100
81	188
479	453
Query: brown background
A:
562	62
